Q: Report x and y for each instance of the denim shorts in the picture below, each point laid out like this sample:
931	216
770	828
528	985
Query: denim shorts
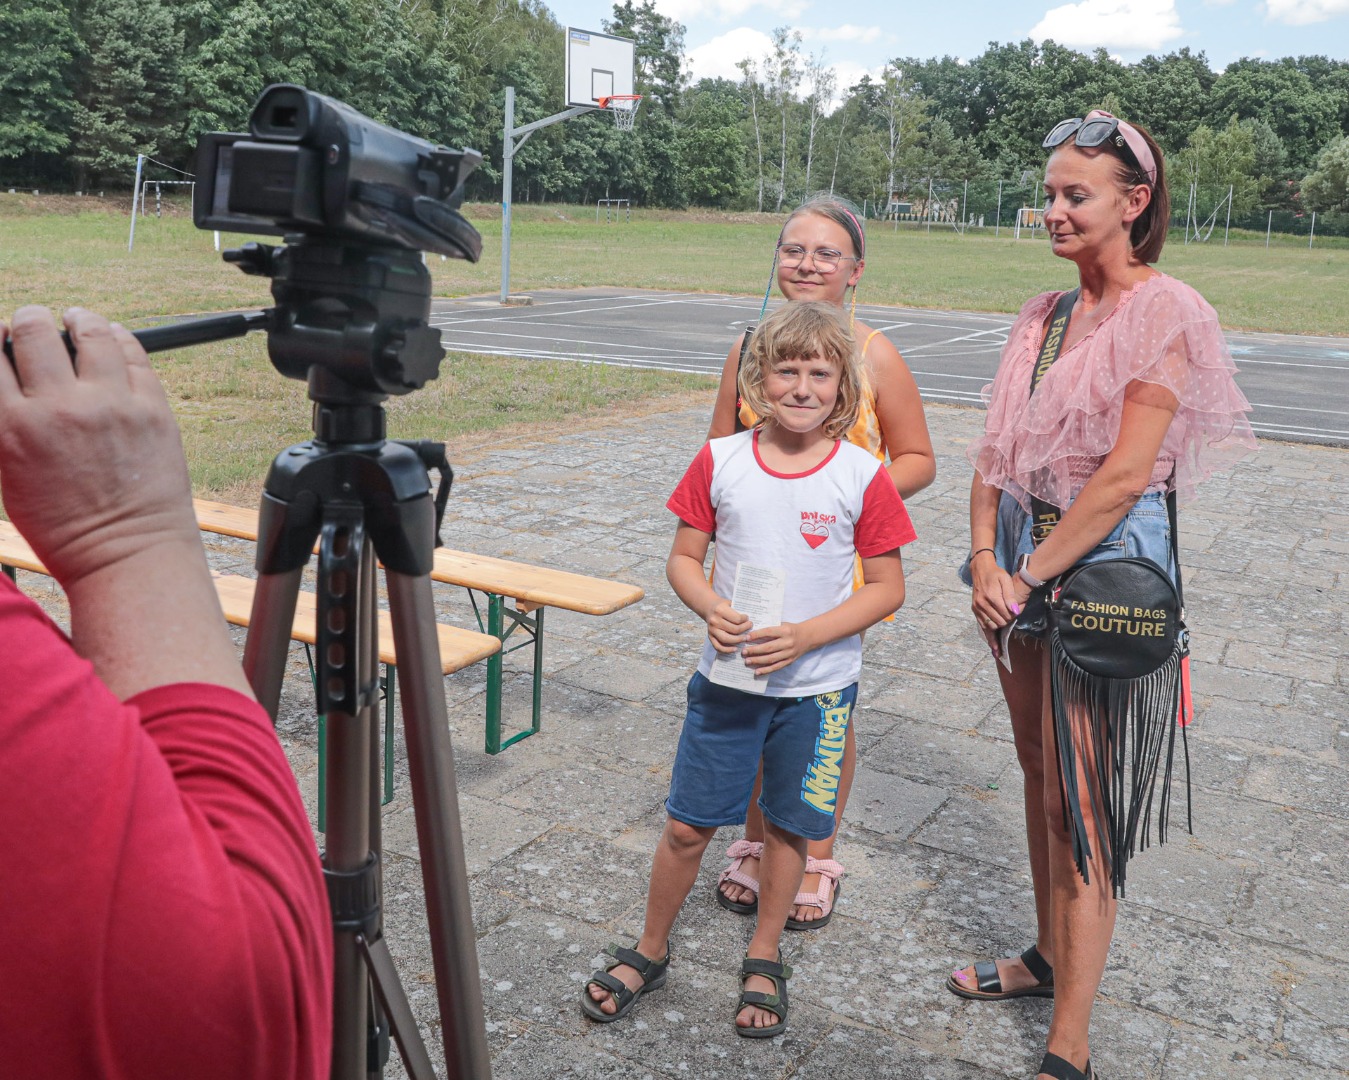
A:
1143	533
727	731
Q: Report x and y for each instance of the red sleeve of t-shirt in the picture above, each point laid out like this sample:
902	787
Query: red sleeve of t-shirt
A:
884	523
692	498
165	903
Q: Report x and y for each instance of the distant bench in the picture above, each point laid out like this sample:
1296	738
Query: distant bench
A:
532	588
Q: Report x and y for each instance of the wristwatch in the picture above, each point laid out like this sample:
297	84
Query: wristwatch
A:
1025	575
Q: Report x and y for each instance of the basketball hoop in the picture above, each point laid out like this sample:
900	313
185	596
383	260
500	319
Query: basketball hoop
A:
624	108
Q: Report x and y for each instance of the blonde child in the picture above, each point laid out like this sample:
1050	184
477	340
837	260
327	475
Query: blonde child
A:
788	495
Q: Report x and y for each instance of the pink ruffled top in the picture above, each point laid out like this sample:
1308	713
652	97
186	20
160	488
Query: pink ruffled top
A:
1050	444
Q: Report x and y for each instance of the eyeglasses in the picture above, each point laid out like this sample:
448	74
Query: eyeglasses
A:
826	260
1094	131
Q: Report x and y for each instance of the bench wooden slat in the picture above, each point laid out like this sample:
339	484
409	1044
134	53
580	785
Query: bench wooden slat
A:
458	648
218	517
15	550
538	586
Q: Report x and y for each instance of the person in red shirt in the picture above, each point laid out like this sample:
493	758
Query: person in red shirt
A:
163	899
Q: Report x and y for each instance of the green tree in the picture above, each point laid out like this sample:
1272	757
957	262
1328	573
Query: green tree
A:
1326	188
712	144
36	103
127	98
782	72
222	69
658	53
1304	116
1273	177
1168	95
1214	164
1023	90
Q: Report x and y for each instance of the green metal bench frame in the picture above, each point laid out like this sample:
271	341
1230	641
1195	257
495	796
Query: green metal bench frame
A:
531	626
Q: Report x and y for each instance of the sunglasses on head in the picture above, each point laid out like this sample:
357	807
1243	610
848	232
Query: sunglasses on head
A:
1094	131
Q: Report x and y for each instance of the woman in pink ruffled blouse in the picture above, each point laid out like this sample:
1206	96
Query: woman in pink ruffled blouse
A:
1141	397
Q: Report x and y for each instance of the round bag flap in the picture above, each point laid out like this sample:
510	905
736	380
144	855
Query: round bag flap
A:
1118	618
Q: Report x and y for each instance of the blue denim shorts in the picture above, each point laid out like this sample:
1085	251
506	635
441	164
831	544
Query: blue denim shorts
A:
1143	533
727	731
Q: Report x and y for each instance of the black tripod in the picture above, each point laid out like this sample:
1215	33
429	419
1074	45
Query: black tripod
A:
352	321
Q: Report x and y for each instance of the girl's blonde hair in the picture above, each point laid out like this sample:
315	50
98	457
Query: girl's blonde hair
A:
800	331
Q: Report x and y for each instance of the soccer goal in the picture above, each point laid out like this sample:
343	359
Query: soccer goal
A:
620	209
1030	218
146	186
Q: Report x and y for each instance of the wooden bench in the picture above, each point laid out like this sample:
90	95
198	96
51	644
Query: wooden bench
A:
458	648
532	589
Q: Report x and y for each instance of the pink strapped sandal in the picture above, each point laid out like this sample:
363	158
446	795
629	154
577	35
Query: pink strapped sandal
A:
739	852
824	898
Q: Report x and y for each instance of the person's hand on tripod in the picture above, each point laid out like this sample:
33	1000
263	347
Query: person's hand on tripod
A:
92	473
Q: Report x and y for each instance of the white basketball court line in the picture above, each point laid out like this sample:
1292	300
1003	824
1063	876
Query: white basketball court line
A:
1291	380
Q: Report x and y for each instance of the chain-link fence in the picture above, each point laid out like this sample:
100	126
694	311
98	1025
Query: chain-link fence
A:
1015	206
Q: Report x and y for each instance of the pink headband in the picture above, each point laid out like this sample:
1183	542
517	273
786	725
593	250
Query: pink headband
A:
861	236
1136	142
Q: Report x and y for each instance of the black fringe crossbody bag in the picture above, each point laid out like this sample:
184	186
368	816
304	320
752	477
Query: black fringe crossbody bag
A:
1118	657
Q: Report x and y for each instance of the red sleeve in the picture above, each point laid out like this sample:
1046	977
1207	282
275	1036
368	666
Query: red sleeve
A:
884	523
692	498
162	887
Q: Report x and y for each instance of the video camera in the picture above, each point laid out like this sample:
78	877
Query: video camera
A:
314	165
356	201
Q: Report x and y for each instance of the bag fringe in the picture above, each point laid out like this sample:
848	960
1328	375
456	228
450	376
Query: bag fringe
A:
1130	723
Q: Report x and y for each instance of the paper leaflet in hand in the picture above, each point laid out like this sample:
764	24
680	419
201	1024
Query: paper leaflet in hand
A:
758	595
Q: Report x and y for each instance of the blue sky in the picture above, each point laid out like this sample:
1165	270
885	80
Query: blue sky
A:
861	36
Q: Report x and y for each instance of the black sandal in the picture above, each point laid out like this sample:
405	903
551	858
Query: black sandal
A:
1060	1069
776	1003
651	971
990	985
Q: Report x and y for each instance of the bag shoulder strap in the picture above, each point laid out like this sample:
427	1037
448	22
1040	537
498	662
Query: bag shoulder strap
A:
740	363
1045	516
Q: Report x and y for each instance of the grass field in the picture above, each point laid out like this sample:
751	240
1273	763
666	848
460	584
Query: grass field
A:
236	412
53	256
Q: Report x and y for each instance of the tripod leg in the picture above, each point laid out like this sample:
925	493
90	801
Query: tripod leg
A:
439	836
268	641
394	1004
347	853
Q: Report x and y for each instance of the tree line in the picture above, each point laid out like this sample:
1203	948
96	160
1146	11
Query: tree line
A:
90	84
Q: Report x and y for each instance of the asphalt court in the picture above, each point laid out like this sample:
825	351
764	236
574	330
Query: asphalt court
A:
1298	385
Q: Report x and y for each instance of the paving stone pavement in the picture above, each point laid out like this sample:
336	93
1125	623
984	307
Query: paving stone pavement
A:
1232	945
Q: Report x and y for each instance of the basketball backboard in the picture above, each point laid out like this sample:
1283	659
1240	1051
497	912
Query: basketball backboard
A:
598	65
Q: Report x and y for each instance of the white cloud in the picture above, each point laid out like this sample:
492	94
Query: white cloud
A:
1304	12
717	59
686	11
1117	24
846	32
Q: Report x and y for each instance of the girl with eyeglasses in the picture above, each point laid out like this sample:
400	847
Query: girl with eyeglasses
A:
820	257
1140	400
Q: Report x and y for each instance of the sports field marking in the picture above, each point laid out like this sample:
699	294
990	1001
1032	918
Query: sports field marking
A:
952	354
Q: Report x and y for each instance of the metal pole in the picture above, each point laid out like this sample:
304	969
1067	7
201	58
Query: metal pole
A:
508	153
997	219
135	196
1312	235
1228	226
929	206
1268	225
964	206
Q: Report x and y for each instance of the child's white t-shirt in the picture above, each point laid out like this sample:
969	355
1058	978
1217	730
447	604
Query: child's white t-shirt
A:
808	524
